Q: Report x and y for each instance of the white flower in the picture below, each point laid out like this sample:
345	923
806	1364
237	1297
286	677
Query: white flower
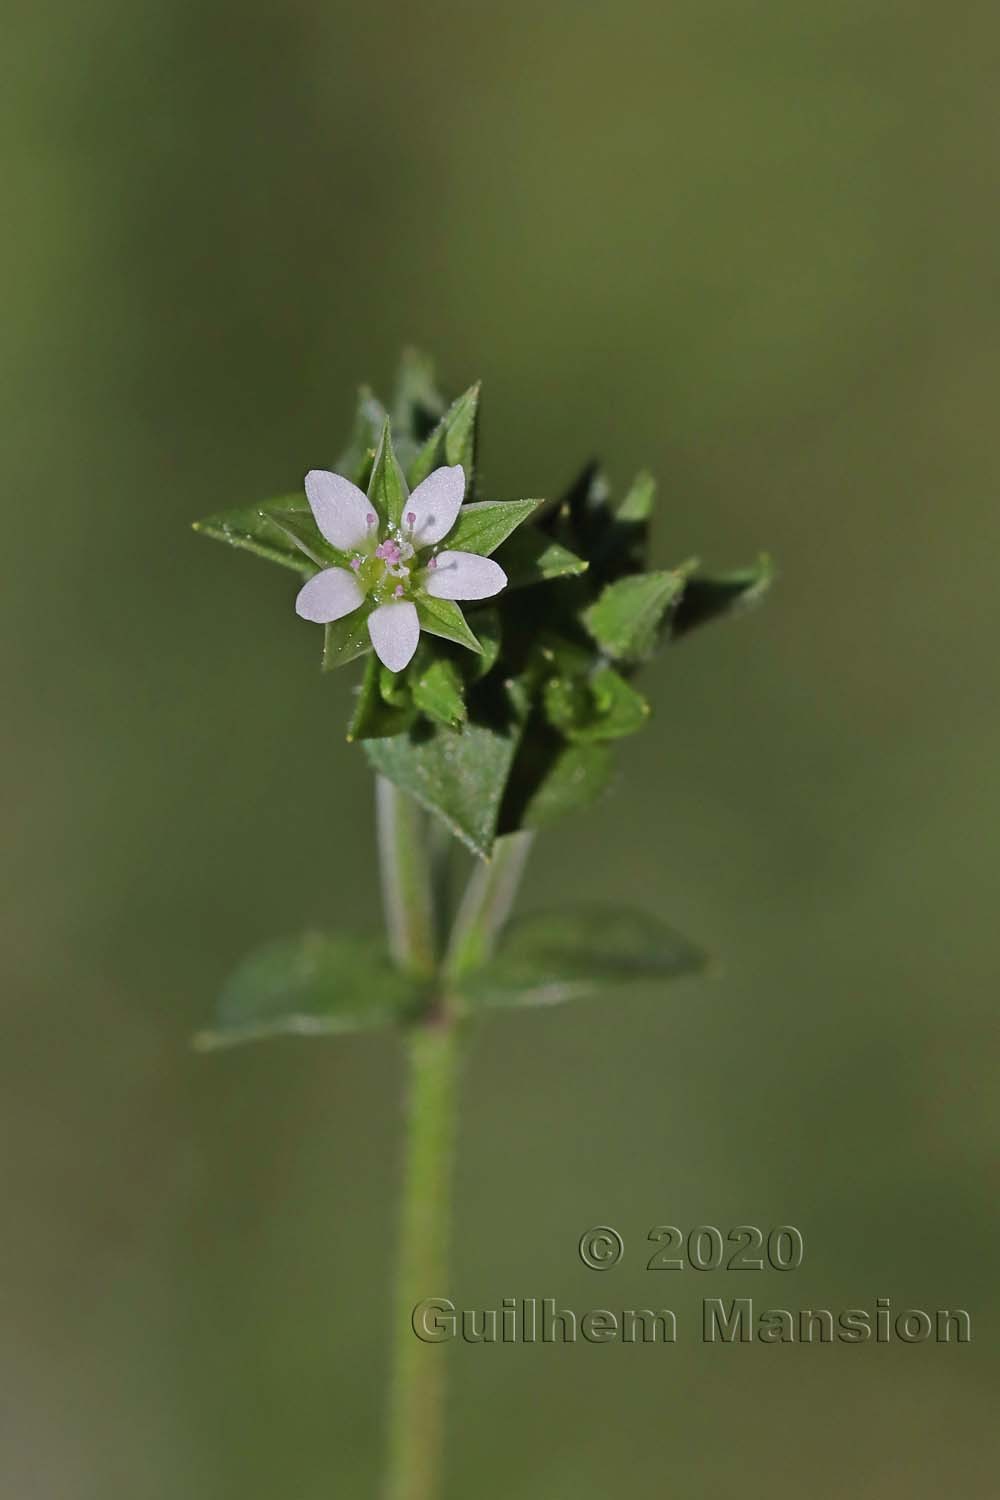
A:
392	566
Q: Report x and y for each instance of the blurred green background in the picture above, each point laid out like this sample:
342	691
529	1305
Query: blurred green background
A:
751	245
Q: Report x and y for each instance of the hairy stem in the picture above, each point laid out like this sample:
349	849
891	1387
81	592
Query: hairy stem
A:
414	886
416	1432
486	905
407	884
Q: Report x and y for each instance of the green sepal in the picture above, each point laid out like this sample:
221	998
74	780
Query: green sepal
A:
709	595
625	620
551	957
453	441
387	489
482	526
253	528
355	462
346	639
302	531
529	556
442	617
438	692
314	985
383	707
599	707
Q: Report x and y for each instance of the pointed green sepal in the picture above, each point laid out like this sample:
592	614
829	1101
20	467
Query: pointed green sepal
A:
253	528
382	708
387	489
482	526
444	618
346	639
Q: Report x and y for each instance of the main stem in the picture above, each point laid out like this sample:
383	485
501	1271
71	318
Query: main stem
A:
408	855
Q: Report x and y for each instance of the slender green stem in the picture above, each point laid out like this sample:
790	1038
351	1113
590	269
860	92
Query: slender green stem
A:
486	905
416	1432
407	885
414	887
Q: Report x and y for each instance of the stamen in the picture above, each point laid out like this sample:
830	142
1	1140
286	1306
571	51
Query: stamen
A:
433	563
371	519
411	518
355	563
398	591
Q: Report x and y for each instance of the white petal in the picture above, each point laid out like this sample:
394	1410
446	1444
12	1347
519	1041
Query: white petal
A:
342	512
395	631
464	575
328	596
434	506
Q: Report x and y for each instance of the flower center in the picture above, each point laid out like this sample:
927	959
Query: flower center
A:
387	571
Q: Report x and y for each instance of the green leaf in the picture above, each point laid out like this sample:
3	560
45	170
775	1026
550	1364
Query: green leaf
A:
484	524
601	707
356	460
530	556
312	986
346	639
458	775
253	528
444	618
709	595
556	956
626	618
573	778
438	693
453	441
387	488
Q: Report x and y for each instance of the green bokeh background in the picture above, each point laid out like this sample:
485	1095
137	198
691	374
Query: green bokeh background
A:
751	245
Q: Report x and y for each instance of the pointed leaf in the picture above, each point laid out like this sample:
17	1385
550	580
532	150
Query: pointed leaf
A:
709	595
356	460
387	489
626	618
484	524
458	775
253	528
312	986
444	618
453	441
438	693
530	556
556	956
